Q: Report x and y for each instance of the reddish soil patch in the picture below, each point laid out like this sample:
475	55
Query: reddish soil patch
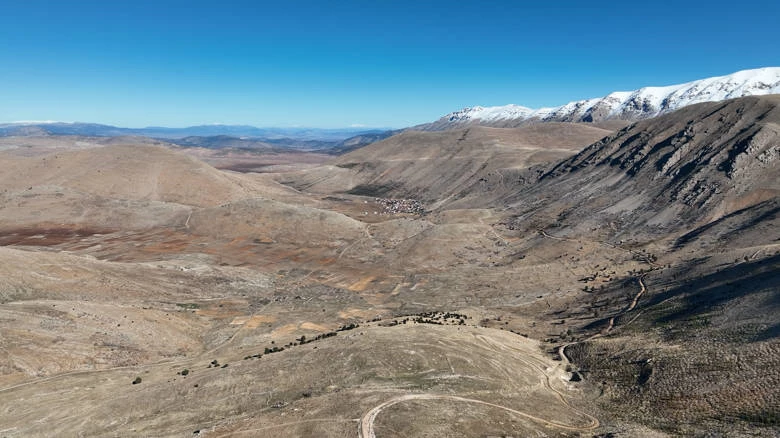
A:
44	236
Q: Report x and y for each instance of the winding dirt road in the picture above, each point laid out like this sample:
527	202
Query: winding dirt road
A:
611	324
367	422
366	429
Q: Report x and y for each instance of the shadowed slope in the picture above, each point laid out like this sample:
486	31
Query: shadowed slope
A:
682	344
685	169
431	166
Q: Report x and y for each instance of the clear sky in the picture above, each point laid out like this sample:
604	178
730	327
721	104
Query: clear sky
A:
379	63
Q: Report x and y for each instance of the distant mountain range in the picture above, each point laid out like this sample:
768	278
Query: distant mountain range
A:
612	109
214	136
630	106
238	131
284	143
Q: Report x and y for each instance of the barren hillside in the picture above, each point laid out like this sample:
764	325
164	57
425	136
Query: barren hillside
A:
694	196
684	170
124	172
627	288
430	166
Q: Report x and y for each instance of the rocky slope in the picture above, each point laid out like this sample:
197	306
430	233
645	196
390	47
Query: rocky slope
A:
687	169
681	344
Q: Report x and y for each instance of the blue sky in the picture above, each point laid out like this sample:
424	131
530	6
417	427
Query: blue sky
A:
377	63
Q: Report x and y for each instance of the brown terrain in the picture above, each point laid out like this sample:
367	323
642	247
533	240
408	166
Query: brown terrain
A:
477	282
435	166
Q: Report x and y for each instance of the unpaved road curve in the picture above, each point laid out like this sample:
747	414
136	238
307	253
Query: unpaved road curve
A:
367	422
611	324
630	307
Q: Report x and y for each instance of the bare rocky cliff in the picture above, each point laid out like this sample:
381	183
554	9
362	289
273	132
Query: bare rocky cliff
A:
686	169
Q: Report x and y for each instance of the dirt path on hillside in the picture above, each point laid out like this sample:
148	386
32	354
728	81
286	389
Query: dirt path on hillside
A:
367	422
611	324
367	429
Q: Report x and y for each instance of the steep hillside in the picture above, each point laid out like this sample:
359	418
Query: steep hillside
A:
432	166
683	170
683	342
634	105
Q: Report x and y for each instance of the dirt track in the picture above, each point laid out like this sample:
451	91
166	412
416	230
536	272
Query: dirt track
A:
367	422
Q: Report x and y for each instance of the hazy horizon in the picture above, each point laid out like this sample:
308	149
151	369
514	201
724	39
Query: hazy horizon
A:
280	127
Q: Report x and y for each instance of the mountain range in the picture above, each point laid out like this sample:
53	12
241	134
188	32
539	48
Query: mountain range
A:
236	131
612	111
628	106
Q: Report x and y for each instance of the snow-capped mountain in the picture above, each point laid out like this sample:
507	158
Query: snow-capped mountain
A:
622	105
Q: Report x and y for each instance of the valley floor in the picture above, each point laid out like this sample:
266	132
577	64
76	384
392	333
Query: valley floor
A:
188	301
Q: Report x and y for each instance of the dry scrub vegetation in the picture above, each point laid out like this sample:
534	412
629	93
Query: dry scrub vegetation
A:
433	284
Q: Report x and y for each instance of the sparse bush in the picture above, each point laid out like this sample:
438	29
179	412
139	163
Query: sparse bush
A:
191	306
